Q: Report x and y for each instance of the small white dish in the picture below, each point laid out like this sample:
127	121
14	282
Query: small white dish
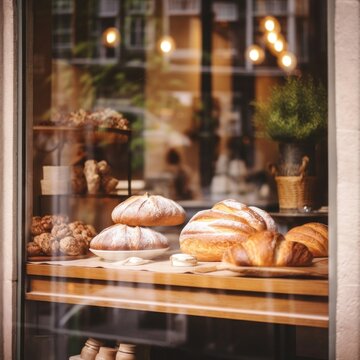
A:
117	255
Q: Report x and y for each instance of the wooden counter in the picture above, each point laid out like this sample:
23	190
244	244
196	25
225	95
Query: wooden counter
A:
302	302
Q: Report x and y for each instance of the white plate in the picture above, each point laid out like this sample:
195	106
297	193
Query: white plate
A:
117	255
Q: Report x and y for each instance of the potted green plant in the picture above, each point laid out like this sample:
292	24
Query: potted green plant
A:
295	116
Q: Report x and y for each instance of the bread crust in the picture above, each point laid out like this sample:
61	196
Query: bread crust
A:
268	248
210	232
148	210
123	237
313	235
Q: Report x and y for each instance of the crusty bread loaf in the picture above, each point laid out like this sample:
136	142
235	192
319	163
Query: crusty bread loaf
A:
148	210
313	235
123	237
268	248
210	232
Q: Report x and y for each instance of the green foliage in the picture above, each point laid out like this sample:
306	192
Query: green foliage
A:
295	112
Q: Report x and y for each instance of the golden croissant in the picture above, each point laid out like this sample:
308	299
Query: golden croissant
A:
268	248
313	235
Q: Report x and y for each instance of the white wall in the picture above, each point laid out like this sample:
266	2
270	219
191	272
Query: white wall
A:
347	102
7	180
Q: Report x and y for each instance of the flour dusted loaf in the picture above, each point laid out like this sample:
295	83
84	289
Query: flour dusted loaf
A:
210	232
123	237
268	248
148	210
313	235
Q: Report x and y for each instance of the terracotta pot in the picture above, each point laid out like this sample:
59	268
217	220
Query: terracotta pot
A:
90	349
106	353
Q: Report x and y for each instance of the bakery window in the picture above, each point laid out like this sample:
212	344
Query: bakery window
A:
176	186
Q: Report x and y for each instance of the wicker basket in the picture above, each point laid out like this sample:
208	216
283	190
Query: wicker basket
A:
295	192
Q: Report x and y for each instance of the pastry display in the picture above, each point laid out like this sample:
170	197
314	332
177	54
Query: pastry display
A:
92	176
98	177
210	232
106	118
124	237
148	210
33	249
36	226
54	236
268	248
313	235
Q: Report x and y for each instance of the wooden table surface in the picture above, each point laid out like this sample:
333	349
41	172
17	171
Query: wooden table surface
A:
302	302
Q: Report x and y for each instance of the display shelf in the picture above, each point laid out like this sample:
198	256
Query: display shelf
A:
279	301
312	214
87	196
51	128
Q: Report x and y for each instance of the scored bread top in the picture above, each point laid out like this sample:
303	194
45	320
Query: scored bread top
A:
123	237
148	210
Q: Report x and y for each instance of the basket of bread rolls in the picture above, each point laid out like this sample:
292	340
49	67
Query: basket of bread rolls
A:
53	236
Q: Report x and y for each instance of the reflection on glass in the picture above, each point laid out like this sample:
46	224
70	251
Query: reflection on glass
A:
111	37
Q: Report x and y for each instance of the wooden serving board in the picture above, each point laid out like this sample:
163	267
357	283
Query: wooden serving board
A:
319	269
59	258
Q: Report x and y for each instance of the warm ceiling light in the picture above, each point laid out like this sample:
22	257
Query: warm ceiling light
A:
279	45
269	24
287	61
271	37
167	44
111	37
255	54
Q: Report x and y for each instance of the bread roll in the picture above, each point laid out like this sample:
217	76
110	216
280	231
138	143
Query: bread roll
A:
33	249
268	248
123	237
210	232
148	210
313	235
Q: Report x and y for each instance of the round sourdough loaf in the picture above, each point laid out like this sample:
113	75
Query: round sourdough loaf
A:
148	210
123	237
210	232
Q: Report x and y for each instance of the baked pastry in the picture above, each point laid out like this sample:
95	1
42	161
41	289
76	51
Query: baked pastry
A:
33	249
92	176
36	226
48	244
210	232
73	247
48	221
148	210
60	231
78	228
269	221
314	235
268	248
123	237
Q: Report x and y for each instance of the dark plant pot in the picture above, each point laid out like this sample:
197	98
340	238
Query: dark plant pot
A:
291	157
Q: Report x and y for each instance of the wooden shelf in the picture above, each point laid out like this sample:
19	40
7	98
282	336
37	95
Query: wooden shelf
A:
88	196
282	301
51	128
